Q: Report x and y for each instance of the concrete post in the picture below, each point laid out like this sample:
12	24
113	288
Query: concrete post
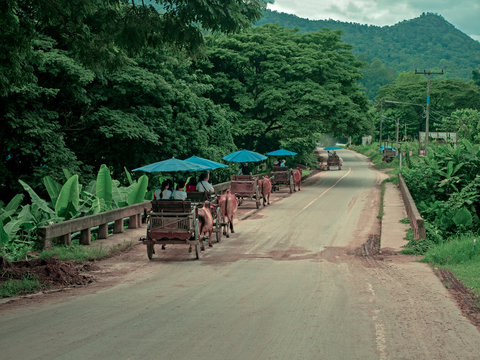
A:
67	239
118	226
85	237
103	231
132	222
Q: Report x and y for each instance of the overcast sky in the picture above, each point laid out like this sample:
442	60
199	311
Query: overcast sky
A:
463	14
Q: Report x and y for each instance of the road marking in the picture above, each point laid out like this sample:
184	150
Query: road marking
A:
327	190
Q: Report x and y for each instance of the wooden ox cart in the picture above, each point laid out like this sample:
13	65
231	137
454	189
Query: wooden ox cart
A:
281	175
172	222
388	155
245	186
334	160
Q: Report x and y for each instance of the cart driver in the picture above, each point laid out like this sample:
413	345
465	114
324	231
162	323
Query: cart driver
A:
203	184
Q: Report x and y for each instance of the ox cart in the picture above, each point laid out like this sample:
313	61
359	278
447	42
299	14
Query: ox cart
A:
172	222
281	175
334	161
388	155
245	186
198	199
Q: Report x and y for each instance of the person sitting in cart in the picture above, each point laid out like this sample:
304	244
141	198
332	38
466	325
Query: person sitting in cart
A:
203	184
192	184
180	193
335	156
245	170
166	192
282	163
329	154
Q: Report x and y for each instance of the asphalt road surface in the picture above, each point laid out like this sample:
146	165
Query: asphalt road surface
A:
286	285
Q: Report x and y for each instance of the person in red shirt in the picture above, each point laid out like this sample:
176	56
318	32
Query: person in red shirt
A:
192	185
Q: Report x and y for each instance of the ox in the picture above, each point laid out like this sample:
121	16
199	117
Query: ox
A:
205	224
297	178
265	186
228	206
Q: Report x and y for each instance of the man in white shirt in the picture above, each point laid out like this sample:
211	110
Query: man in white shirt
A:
203	184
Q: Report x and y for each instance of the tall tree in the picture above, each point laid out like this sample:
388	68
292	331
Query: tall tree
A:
285	84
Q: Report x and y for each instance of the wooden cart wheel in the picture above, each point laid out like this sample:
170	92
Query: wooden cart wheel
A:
218	225
291	184
197	244
150	250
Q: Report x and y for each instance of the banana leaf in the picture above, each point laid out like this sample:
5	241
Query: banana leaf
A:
129	176
68	199
137	195
53	188
37	200
3	235
104	185
15	202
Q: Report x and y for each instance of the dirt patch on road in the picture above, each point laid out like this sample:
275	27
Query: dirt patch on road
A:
467	301
50	272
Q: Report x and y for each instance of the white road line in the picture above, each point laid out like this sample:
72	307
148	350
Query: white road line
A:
324	192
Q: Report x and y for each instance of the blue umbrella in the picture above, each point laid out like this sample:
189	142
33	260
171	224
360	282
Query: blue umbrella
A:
332	148
172	165
386	147
205	162
244	156
281	152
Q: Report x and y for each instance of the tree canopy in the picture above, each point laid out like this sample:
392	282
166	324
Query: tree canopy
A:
285	85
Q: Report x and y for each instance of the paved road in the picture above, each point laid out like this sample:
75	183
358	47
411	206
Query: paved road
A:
287	285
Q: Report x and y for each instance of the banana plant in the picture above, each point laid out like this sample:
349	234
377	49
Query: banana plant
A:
67	203
104	186
137	194
53	188
8	211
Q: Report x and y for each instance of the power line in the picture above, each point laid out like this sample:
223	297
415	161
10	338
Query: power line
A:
428	73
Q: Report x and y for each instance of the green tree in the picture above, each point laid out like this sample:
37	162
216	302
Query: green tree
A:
466	122
284	84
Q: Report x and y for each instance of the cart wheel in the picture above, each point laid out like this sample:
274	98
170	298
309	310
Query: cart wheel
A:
197	244
258	204
150	251
218	225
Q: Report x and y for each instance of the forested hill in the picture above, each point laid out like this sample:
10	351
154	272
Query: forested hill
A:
428	41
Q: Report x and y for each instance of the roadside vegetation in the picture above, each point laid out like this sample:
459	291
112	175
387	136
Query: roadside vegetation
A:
445	185
27	284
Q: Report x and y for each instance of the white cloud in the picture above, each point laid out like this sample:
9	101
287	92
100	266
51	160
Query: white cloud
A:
464	14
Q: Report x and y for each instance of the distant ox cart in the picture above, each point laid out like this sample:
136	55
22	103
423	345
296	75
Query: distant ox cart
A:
245	187
281	175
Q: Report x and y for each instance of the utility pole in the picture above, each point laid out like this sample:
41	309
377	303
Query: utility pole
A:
428	73
381	120
396	133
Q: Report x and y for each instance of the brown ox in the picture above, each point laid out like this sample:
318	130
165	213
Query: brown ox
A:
265	186
297	178
205	224
228	206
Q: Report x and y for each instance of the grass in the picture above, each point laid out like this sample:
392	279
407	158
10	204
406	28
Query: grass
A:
306	172
405	220
27	284
461	257
81	253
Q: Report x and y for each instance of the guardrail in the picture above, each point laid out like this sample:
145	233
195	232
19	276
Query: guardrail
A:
416	221
85	224
65	229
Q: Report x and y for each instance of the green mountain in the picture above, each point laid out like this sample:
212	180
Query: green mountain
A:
426	42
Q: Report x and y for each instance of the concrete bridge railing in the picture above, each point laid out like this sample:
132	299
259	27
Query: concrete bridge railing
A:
416	220
84	225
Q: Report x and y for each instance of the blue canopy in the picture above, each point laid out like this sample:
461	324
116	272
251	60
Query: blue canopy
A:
385	147
172	165
281	152
332	148
205	162
244	156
